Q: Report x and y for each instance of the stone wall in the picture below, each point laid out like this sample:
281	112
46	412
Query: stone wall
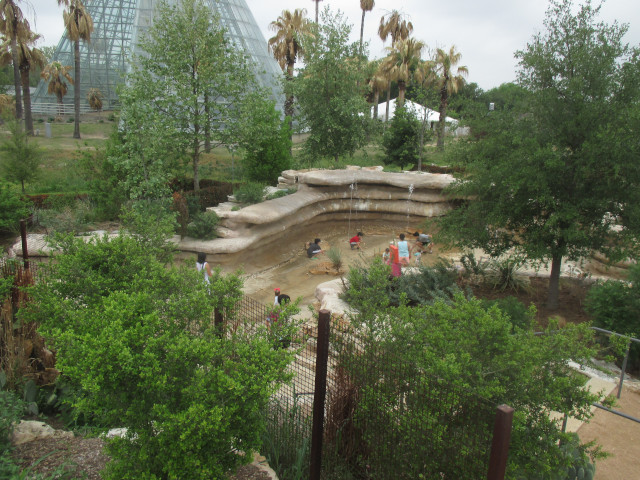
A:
367	194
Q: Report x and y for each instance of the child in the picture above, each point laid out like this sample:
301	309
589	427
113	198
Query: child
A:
386	256
355	241
314	249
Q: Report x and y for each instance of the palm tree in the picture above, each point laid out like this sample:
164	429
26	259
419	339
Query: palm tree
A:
94	97
448	83
366	6
286	47
79	26
397	28
13	25
56	74
317	2
425	78
404	55
379	82
27	57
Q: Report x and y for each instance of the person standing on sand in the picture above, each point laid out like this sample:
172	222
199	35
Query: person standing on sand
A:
203	266
403	250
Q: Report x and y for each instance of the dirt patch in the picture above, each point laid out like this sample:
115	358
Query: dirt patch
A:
570	299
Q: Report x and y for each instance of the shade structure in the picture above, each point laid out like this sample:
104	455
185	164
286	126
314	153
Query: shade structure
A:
119	24
421	112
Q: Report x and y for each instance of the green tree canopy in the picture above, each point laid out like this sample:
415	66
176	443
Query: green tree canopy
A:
331	91
136	341
19	157
185	91
552	178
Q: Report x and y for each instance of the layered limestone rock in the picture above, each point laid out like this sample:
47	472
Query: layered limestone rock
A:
368	195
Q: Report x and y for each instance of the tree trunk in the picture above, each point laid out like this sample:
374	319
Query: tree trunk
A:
317	3
16	76
361	31
207	124
443	114
376	98
26	95
554	282
386	117
76	89
402	87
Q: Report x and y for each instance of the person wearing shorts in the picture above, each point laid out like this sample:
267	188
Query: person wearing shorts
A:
424	241
403	251
355	241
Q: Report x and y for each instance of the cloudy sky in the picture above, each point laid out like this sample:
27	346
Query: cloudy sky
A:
487	33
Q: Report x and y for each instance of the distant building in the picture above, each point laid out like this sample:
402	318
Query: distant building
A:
118	24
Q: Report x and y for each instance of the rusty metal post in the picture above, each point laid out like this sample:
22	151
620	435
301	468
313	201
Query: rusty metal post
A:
218	321
500	444
23	235
320	392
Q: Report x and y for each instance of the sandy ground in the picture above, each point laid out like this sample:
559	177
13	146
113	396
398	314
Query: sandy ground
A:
618	436
297	276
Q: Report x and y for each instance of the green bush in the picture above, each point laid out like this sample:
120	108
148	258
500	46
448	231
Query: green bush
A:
12	208
400	140
66	219
250	193
265	159
521	317
203	226
615	306
502	273
278	194
431	283
189	398
335	256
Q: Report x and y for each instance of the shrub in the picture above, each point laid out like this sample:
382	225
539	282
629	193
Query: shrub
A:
278	194
431	283
335	256
521	317
502	274
12	208
615	306
265	160
111	306
66	219
250	193
204	226
400	141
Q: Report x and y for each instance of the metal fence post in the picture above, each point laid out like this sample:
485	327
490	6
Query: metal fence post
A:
320	392
624	368
500	444
23	235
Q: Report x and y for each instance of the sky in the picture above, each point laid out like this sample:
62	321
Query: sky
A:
487	33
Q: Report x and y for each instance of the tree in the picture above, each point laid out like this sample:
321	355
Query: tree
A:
137	343
20	157
401	139
450	82
266	141
95	97
13	25
397	28
366	6
317	5
553	179
330	91
379	82
404	56
12	208
79	26
55	73
468	346
286	48
186	87
28	57
425	80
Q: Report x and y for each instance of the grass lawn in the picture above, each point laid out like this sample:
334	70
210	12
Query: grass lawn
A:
60	172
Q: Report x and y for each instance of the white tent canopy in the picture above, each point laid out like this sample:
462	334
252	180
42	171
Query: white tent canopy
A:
419	110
